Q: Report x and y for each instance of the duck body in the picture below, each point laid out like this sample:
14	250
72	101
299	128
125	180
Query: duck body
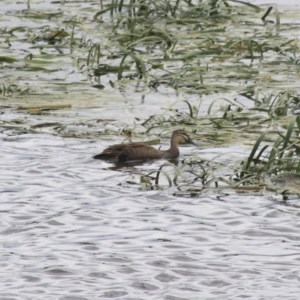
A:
140	151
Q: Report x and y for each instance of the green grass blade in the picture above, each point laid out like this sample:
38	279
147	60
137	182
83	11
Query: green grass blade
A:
254	149
287	138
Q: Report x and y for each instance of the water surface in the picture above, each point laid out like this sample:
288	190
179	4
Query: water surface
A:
73	228
69	231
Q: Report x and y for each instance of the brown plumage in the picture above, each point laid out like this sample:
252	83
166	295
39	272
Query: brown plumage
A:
140	151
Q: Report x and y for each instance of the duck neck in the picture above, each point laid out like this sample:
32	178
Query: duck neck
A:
173	150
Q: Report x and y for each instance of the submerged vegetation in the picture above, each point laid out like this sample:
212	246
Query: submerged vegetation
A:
216	46
242	54
206	47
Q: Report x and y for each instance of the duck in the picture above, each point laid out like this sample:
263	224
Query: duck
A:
137	151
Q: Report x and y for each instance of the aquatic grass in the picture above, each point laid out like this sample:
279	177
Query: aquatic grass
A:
171	39
134	8
193	176
94	55
168	38
250	160
139	63
276	104
196	177
229	117
253	6
231	104
8	59
274	155
37	14
41	108
153	37
166	175
284	155
9	89
154	181
195	48
141	36
191	112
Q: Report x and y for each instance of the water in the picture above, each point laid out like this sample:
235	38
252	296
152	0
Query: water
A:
73	228
69	231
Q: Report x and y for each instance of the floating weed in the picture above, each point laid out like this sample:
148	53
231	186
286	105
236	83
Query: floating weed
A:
11	89
164	43
7	59
37	14
41	108
276	105
208	47
146	39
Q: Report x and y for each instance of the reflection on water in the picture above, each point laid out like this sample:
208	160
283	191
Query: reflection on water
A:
135	163
69	231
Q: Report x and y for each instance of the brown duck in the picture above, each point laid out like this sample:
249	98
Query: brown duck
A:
140	151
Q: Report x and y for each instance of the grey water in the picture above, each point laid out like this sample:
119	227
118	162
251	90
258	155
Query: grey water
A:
73	228
69	231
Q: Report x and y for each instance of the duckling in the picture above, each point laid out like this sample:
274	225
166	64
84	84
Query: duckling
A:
140	151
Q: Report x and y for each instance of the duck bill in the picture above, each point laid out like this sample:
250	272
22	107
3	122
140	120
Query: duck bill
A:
192	142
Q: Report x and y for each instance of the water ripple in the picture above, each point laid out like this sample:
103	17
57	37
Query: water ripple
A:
69	231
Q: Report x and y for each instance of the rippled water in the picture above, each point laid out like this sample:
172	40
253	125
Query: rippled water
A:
72	228
69	231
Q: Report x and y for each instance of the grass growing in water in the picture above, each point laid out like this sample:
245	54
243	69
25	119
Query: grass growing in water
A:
282	156
163	42
194	48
